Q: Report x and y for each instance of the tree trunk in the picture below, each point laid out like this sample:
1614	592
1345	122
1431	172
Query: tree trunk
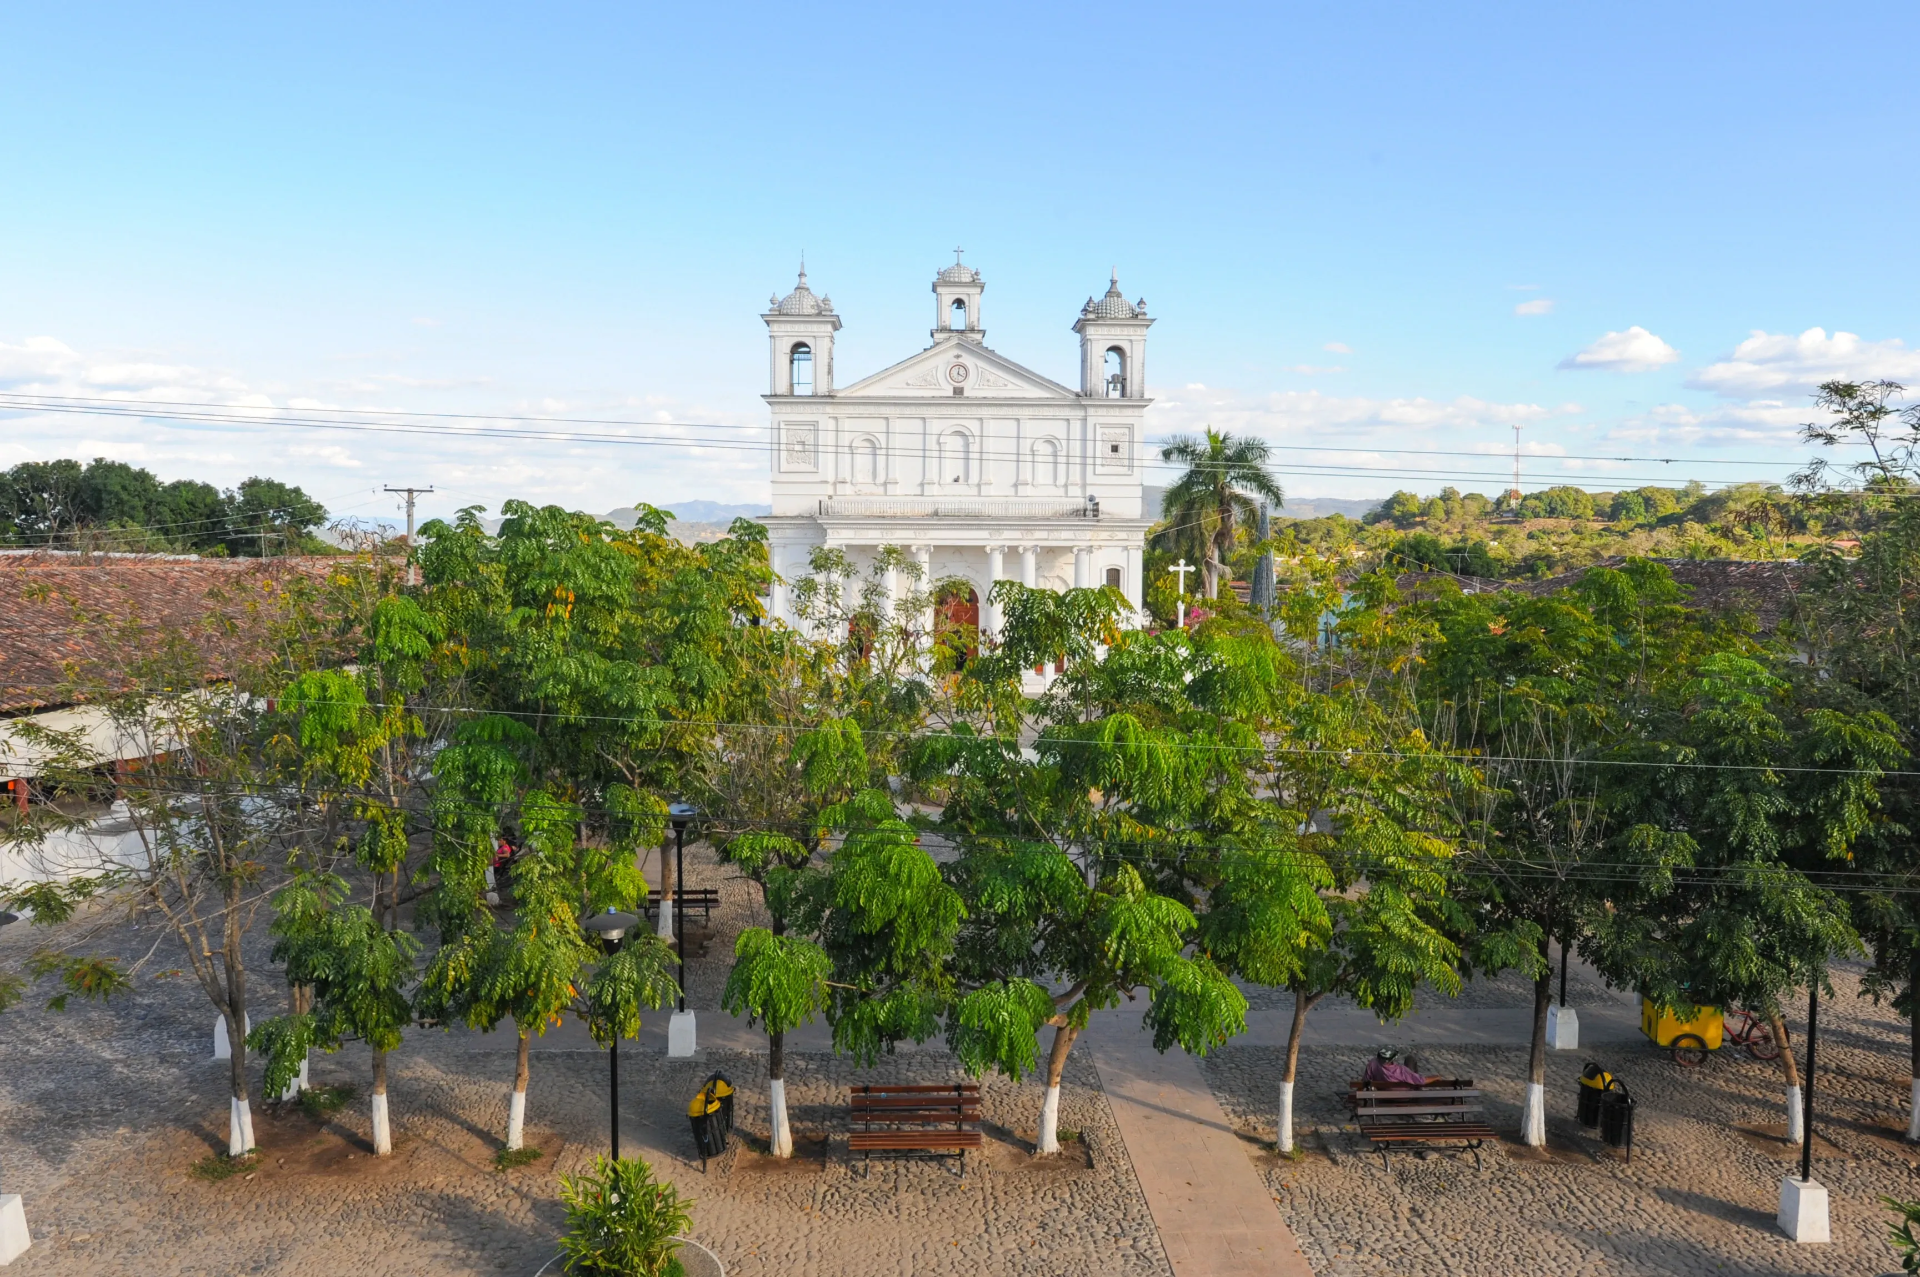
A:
780	1137
240	1120
1533	1118
1049	1141
1796	1111
300	1000
1913	1068
382	1133
517	1106
239	1112
665	929
1302	1003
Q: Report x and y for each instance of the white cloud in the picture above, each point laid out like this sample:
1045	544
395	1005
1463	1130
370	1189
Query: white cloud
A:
1768	363
340	468
1538	306
1337	348
1635	350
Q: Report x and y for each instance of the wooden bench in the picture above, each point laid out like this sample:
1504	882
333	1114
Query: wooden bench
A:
705	899
936	1120
1443	1114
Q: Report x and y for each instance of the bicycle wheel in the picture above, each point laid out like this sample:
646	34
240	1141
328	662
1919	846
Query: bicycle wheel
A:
1689	1050
1760	1043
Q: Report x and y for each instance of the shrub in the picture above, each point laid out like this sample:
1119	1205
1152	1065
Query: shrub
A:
621	1221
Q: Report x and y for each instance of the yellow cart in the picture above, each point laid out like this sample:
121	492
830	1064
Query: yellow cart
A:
1689	1040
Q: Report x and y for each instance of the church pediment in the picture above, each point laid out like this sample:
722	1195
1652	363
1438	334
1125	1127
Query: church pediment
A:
937	372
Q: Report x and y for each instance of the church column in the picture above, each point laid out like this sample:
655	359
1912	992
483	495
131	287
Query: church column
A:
1136	594
923	555
1030	566
1082	559
989	613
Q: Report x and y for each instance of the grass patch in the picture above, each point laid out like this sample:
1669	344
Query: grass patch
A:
509	1158
215	1167
322	1102
1066	1136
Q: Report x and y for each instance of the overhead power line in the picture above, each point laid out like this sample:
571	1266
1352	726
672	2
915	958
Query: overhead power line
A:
384	421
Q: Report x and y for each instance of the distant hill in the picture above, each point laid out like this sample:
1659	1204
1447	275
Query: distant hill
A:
694	512
1295	508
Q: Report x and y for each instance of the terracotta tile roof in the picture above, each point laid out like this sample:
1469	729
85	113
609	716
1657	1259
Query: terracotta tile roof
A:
59	612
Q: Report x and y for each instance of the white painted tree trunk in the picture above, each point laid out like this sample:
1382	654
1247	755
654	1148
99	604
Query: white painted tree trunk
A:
1533	1120
665	930
1284	1142
516	1118
1049	1141
239	1128
299	1083
382	1133
782	1134
1796	1113
1913	1112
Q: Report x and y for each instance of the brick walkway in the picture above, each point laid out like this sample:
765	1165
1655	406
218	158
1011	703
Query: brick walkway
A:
1210	1204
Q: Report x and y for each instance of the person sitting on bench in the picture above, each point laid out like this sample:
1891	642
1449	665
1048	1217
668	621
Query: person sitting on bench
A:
1385	1070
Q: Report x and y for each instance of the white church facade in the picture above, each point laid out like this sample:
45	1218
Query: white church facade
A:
976	466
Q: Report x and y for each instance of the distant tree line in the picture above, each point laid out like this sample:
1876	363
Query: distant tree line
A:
115	506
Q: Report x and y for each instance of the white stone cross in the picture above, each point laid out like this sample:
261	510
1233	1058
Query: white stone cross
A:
1182	567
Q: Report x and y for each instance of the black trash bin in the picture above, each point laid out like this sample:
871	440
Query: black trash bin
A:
720	1086
708	1113
1616	1119
1594	1082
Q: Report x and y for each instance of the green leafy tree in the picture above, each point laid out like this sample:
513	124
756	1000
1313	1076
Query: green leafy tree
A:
1763	798
1550	693
537	972
1080	860
1346	891
1225	480
1857	619
358	974
779	982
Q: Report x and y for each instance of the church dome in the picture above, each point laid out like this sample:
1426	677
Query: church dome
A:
801	301
1113	306
958	274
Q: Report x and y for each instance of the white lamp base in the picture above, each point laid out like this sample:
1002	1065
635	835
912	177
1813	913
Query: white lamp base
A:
1563	1029
222	1048
1803	1210
13	1228
680	1035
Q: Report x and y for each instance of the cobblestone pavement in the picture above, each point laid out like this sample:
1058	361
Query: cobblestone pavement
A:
1698	1196
107	1110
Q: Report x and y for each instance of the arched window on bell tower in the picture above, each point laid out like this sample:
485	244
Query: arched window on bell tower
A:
957	316
801	364
1116	379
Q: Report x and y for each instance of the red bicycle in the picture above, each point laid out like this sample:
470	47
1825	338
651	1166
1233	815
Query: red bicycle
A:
1738	1027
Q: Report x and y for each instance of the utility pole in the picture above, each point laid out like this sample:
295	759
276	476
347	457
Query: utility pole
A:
1516	470
411	493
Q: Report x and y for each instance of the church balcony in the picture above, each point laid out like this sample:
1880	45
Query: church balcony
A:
958	508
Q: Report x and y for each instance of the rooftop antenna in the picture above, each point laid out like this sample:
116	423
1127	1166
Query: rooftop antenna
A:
1515	493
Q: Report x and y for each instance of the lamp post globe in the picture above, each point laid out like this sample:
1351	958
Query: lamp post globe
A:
609	927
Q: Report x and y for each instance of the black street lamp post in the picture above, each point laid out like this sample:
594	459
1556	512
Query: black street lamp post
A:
610	927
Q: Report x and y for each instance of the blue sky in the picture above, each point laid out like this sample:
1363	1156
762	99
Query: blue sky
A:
1362	227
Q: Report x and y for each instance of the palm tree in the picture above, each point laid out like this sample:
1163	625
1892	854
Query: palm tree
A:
1225	477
